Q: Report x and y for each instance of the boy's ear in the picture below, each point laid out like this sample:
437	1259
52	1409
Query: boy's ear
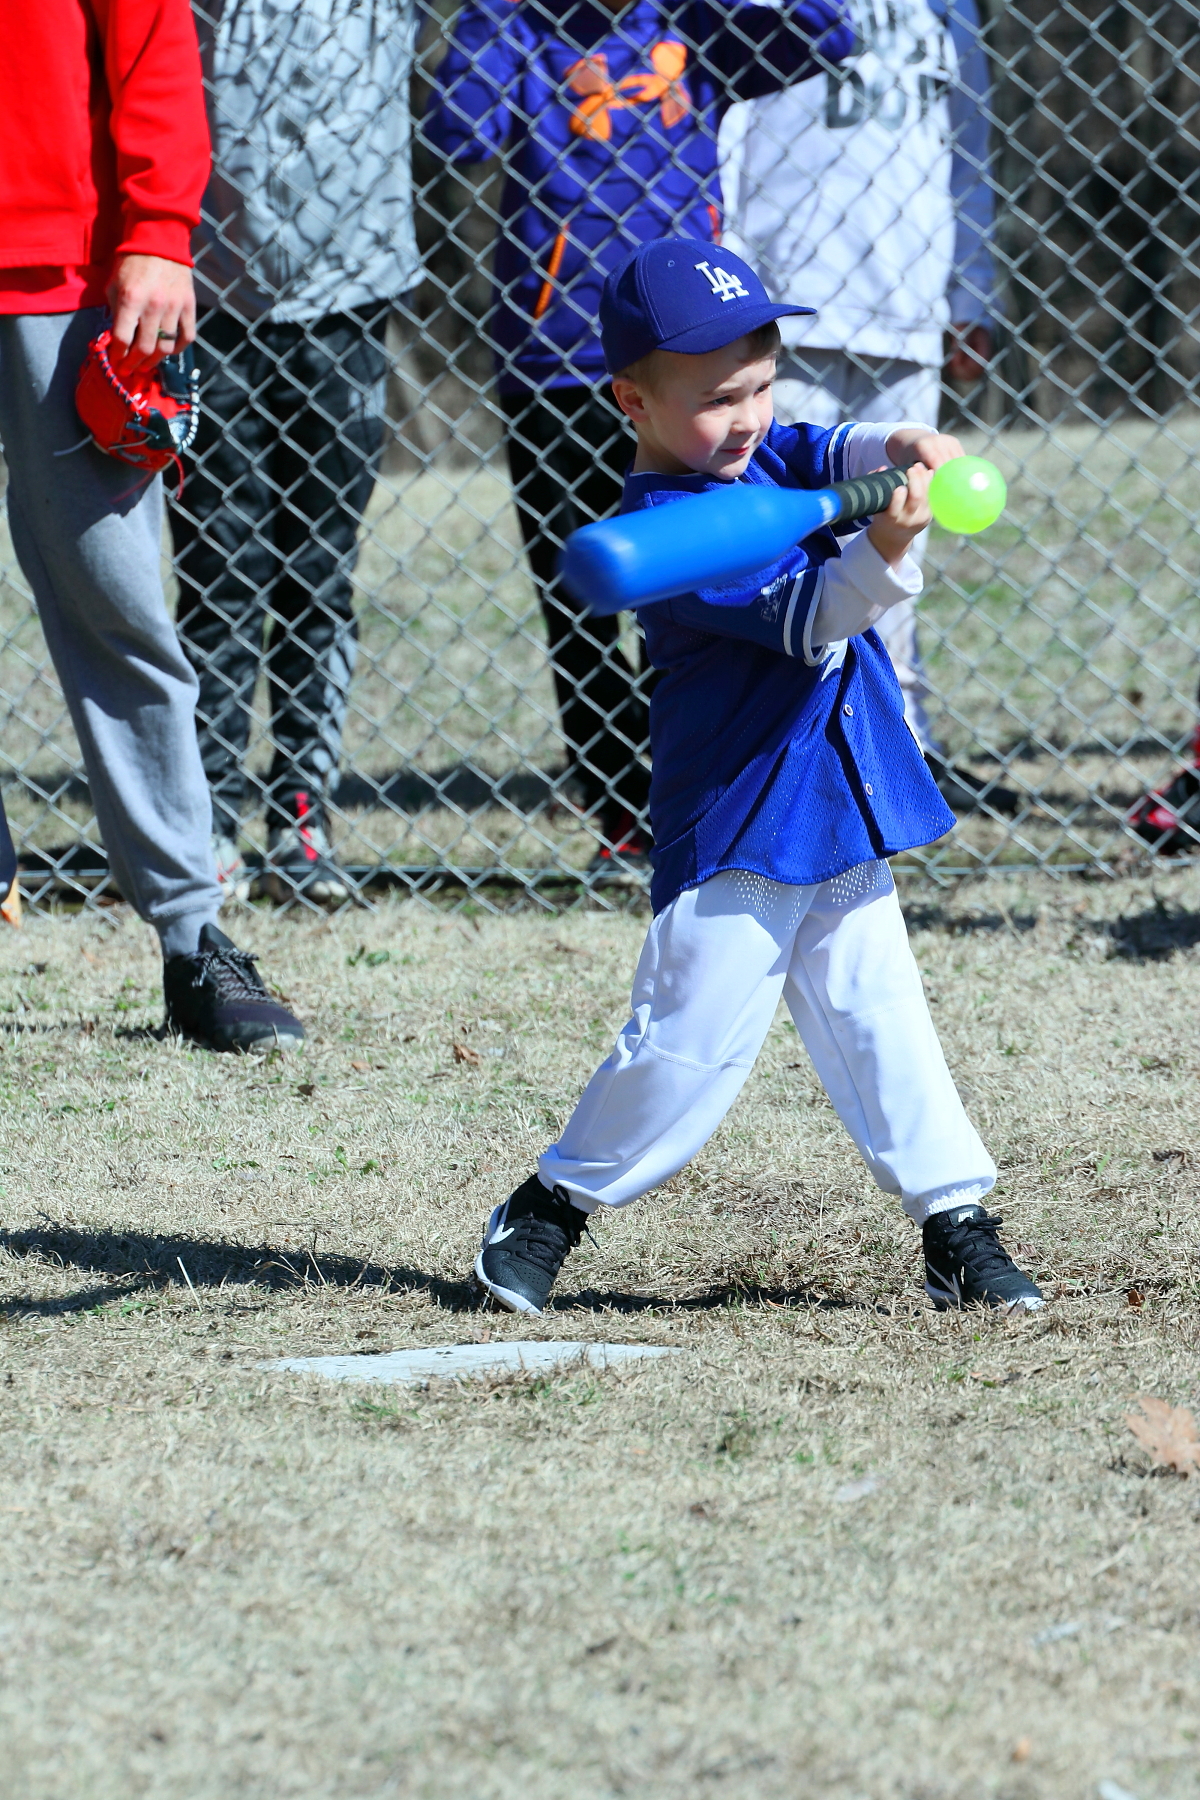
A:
628	396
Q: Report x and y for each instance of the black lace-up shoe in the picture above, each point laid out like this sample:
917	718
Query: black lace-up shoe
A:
525	1243
967	1265
216	998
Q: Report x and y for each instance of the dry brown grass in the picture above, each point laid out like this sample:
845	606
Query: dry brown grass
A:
676	1580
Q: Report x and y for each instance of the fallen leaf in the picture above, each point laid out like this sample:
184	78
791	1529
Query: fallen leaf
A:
307	1089
463	1053
361	1067
1021	1749
1168	1433
1134	1296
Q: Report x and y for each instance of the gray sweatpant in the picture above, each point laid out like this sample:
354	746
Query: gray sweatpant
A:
87	530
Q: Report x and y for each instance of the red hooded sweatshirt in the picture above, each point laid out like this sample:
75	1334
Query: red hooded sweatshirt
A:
104	146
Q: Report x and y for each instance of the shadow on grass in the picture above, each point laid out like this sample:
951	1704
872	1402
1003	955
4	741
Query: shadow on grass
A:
929	915
136	1263
1154	934
141	1261
711	1299
1151	935
460	787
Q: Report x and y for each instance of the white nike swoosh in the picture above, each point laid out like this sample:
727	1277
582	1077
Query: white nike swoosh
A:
498	1237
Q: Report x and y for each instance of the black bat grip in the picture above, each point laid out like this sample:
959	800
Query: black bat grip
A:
869	494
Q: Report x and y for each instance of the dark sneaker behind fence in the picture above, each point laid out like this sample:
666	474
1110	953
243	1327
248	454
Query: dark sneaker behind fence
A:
1169	818
965	793
525	1243
967	1265
300	862
216	997
626	854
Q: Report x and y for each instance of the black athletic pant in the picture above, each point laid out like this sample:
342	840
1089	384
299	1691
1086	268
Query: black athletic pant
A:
266	539
568	450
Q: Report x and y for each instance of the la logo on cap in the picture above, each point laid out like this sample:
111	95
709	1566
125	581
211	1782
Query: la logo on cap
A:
727	286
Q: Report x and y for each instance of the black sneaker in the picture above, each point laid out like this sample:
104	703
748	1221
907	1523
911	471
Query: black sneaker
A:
967	1265
964	792
525	1243
216	998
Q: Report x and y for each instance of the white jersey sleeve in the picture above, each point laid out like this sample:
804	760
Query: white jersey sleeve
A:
857	589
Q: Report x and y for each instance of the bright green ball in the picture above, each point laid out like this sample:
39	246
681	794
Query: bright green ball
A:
967	494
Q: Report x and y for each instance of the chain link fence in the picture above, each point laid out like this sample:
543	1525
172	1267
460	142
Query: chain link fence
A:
398	271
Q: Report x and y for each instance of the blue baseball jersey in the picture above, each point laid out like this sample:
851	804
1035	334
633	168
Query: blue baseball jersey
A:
770	754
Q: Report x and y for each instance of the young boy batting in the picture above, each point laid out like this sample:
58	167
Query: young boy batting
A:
784	775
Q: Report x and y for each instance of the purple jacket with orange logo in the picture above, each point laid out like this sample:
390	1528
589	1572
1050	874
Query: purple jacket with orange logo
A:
611	126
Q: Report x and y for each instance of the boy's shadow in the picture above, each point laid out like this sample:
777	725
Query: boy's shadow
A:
141	1261
720	1295
137	1262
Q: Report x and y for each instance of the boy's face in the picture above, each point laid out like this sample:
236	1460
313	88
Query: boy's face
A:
705	415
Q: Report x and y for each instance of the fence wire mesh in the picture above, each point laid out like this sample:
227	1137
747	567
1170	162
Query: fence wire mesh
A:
996	215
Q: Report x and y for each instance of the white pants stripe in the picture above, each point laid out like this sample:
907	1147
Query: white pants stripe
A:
708	983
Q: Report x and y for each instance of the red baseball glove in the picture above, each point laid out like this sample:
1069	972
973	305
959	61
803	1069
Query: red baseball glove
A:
148	418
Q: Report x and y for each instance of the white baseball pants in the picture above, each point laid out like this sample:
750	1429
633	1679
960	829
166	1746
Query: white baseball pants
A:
707	986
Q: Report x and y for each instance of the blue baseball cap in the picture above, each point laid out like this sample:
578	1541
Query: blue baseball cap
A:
681	294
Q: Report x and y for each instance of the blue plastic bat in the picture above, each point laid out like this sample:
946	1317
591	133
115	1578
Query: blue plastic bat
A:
708	539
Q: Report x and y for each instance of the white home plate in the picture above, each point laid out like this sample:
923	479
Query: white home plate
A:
454	1361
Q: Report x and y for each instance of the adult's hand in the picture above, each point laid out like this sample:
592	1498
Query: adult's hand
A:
153	304
968	353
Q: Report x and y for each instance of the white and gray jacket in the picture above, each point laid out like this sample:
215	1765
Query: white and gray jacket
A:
309	209
865	192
